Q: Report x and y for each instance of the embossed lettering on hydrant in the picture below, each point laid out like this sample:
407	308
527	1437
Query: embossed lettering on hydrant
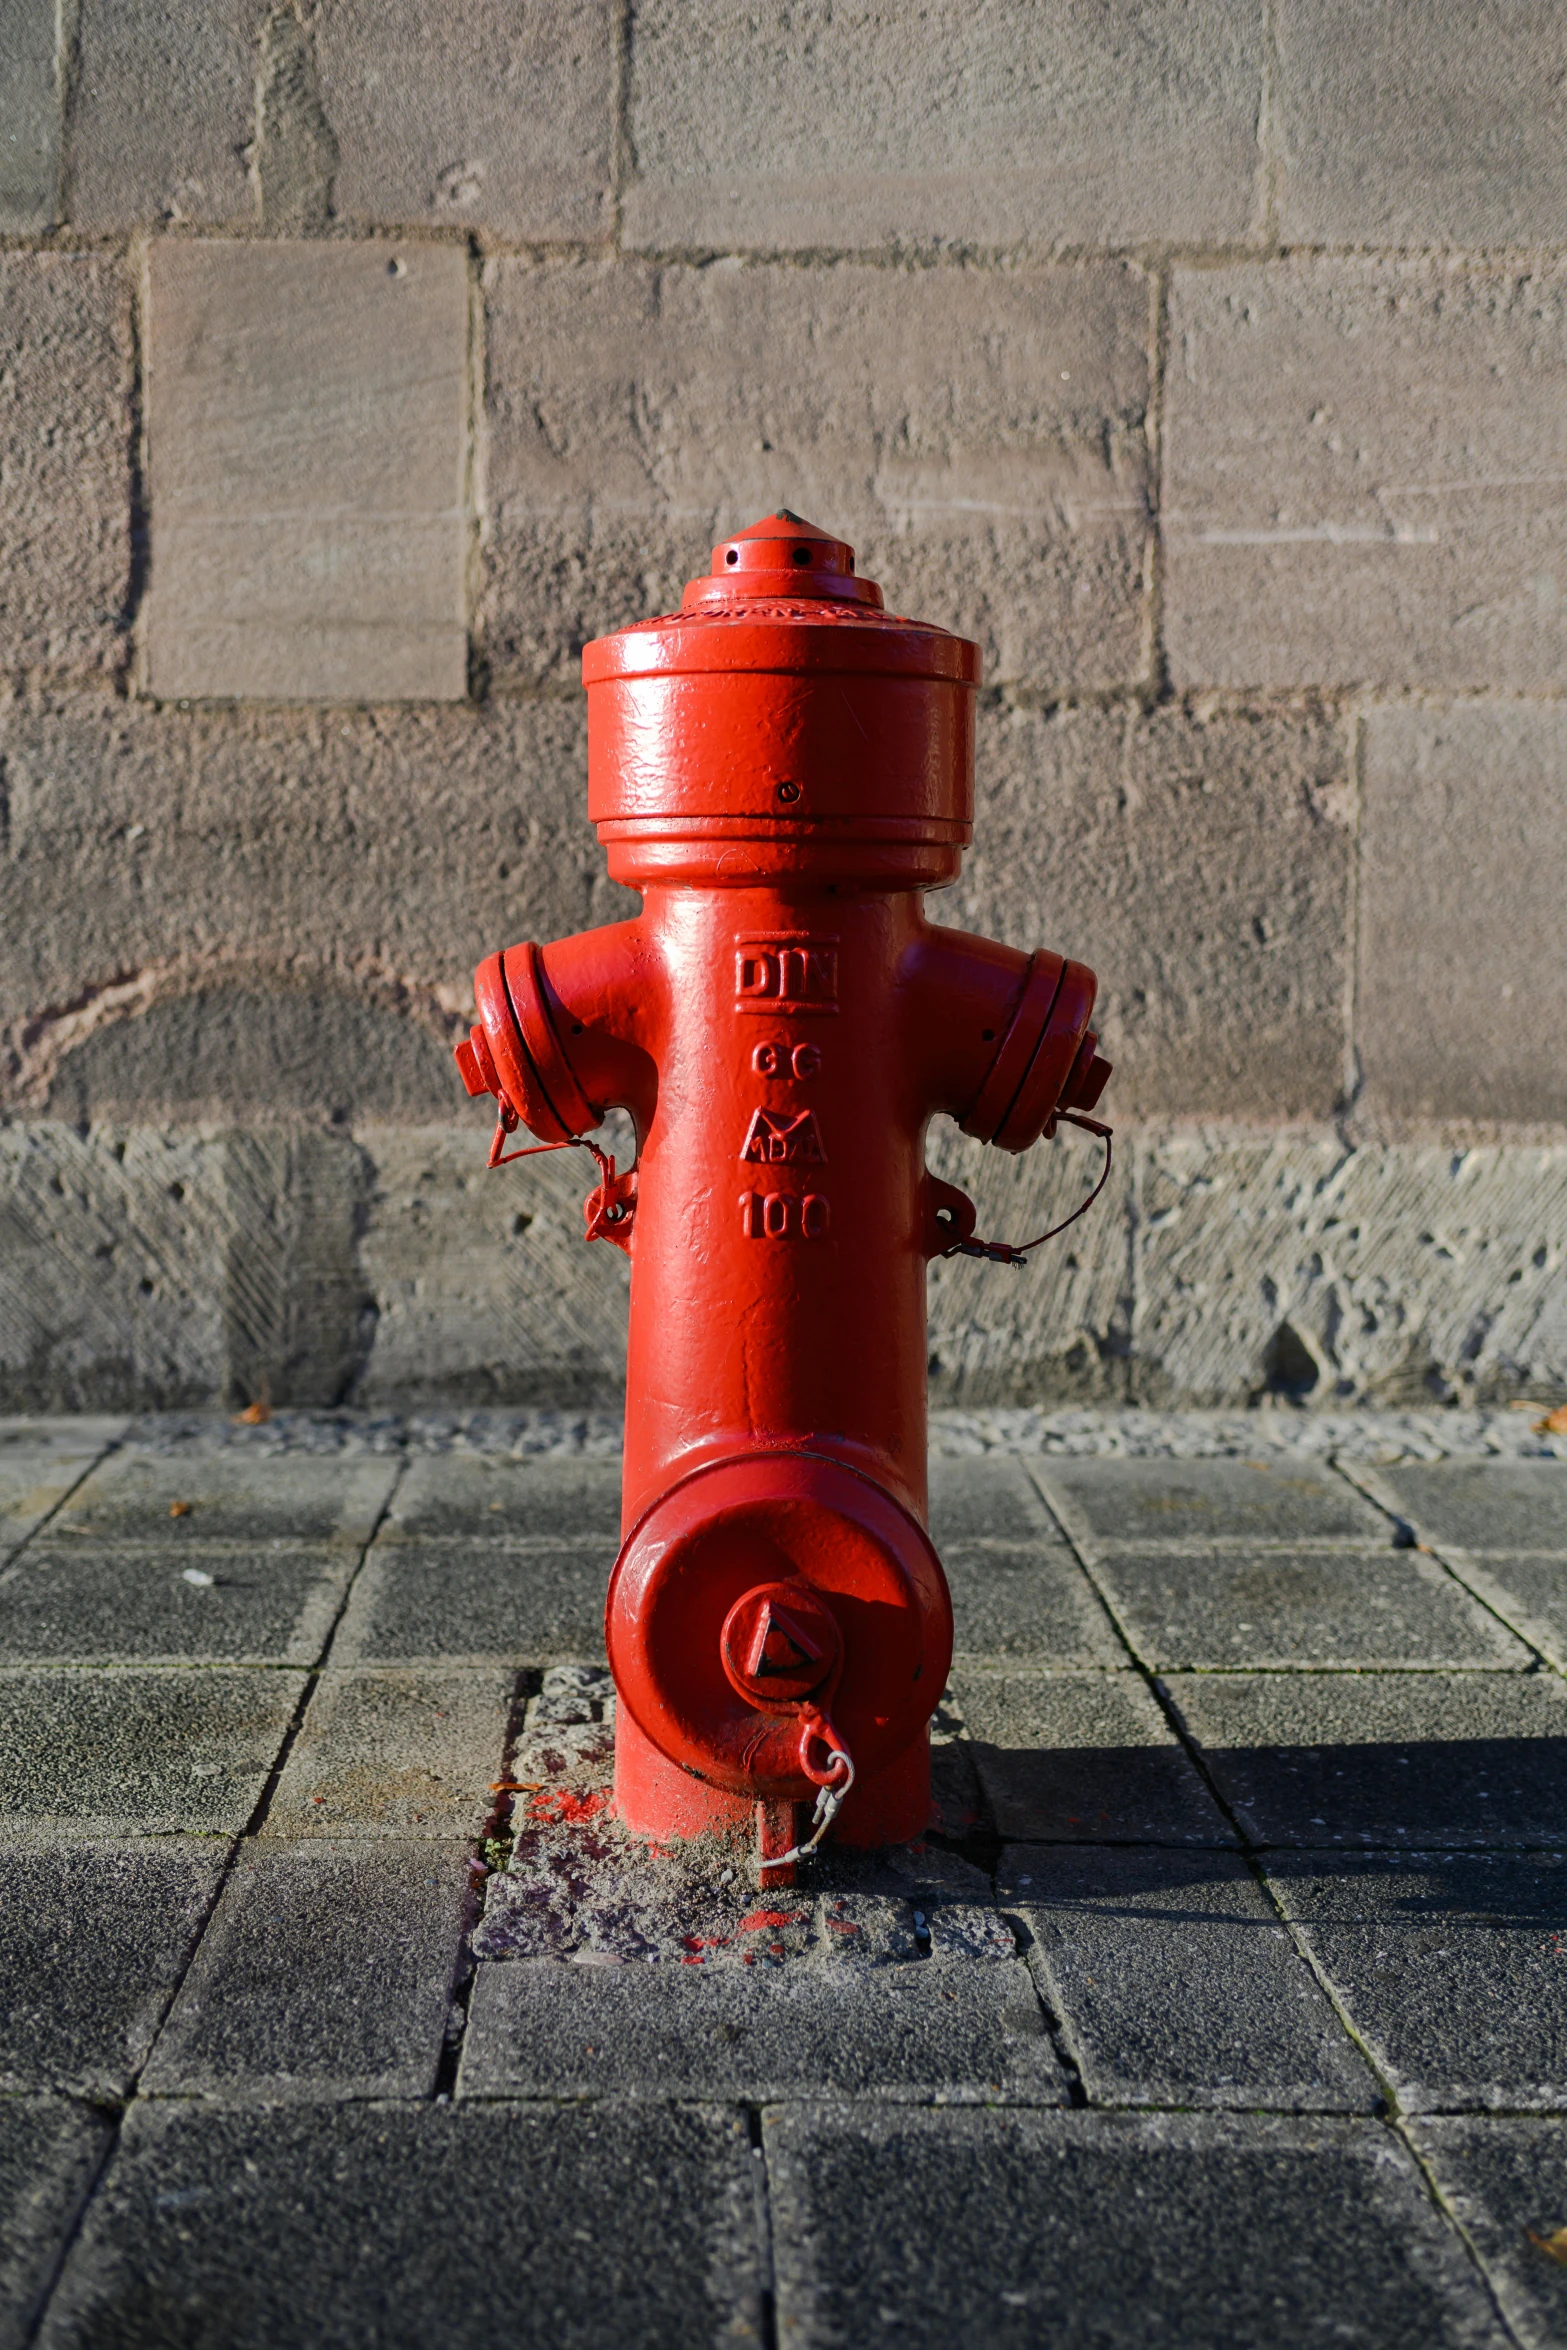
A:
775	1136
786	971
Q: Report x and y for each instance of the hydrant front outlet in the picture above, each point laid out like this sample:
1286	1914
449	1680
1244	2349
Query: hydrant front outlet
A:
782	769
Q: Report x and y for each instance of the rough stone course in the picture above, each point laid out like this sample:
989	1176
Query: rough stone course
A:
30	113
162	111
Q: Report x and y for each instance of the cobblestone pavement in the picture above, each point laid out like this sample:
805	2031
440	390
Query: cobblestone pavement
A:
1230	2006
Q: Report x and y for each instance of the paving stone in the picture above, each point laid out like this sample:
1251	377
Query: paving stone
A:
327	1969
163	108
1358	476
341	2223
1412	1759
150	1750
90	1602
65	367
462	1494
499	120
40	1460
1110	2228
1027	1600
93	1940
917	2030
1444	131
989	1499
1293	1266
1449	1965
223	1497
30	111
1216	1608
1462	876
1198	861
1506	2181
49	2152
307	410
1175	1983
385	1753
1083	1758
1478	1506
1189	1501
977	435
996	124
477	1600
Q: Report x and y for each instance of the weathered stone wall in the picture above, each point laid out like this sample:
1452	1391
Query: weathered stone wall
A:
1207	362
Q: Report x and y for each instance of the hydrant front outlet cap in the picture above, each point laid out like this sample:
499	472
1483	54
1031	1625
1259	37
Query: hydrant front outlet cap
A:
782	768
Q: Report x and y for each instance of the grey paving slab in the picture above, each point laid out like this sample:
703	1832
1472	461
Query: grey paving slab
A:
1227	1606
1478	1505
40	1460
1446	1759
386	1753
83	1600
154	1748
540	1499
1506	2181
1452	1966
229	1495
473	1598
93	1940
1027	1600
917	2031
1175	1983
1083	1758
1528	1592
989	1497
1020	2229
327	1968
417	2228
1145	1501
49	2151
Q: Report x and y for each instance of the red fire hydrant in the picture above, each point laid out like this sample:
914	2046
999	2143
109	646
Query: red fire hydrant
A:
782	768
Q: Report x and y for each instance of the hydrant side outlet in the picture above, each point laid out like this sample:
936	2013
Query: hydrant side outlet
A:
782	768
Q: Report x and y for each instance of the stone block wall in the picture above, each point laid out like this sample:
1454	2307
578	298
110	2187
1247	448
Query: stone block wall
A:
1208	363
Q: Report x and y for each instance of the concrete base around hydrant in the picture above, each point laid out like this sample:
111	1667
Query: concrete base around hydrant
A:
147	1267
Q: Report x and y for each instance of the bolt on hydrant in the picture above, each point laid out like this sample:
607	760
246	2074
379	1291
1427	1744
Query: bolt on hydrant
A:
782	769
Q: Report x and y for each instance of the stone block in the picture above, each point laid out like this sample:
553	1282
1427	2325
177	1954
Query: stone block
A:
327	1970
472	1602
1298	1267
383	1753
1199	2228
1463	874
345	2218
979	436
228	1496
1365	475
1448	1965
140	1751
460	1496
30	113
499	119
486	1293
40	1461
301	898
1212	1610
307	409
1148	1502
994	124
163	113
1175	1984
1476	1506
65	522
1398	1759
49	2154
1443	127
1200	866
1082	1758
955	2033
93	1941
86	1602
1030	1603
1505	2181
991	1498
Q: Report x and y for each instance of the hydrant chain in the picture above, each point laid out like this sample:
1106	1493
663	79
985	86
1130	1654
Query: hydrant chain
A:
1005	1252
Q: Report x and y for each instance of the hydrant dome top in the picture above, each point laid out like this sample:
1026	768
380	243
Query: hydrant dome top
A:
782	595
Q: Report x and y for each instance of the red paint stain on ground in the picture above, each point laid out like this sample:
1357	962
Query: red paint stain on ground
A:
770	1917
564	1805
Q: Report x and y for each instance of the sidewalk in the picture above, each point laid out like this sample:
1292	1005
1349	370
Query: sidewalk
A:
1229	2008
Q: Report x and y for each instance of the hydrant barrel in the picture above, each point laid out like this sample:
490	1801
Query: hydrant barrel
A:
782	768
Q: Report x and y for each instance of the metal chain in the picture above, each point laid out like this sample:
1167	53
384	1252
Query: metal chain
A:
1004	1252
828	1803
